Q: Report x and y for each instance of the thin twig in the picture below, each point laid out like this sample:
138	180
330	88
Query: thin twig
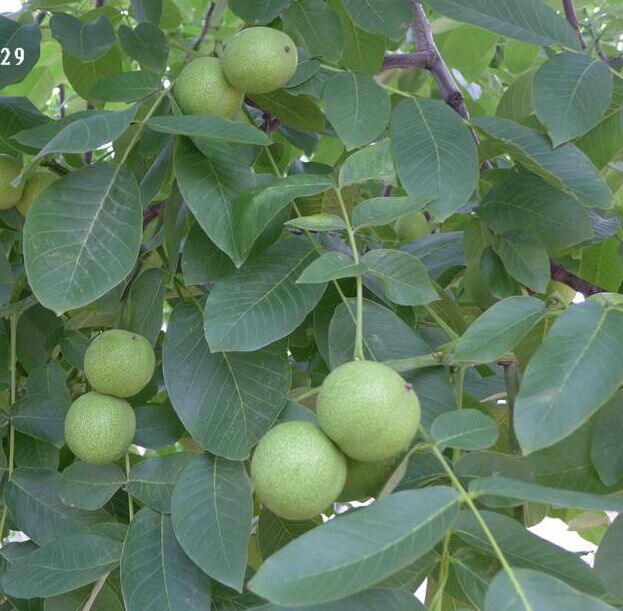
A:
572	19
61	100
99	584
206	26
560	274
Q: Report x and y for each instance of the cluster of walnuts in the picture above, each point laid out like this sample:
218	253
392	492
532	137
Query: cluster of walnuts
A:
367	414
100	425
23	196
256	60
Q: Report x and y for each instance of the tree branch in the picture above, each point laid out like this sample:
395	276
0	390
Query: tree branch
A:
572	19
206	27
420	59
560	274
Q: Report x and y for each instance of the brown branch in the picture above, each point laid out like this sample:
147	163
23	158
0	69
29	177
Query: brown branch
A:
560	274
206	26
572	20
152	213
420	59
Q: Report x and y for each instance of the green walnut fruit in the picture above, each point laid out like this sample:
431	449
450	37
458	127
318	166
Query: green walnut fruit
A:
202	89
99	428
411	226
9	169
368	410
259	60
296	471
365	479
119	363
34	187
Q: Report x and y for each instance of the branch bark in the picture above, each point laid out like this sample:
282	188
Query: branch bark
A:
206	26
560	274
572	19
420	59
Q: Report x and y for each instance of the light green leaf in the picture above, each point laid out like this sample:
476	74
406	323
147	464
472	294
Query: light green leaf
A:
89	486
542	592
330	266
84	75
262	302
296	111
373	162
125	87
524	203
88	216
152	480
391	18
61	566
206	126
314	24
531	20
527	491
434	153
346	555
86	40
525	258
602	264
211	510
467	429
213	393
499	329
155	568
254	210
404	277
318	222
555	399
571	94
358	108
565	168
384	210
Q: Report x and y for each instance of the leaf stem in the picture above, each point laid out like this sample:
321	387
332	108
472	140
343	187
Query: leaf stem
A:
99	584
450	332
437	602
127	477
511	377
358	353
467	499
310	392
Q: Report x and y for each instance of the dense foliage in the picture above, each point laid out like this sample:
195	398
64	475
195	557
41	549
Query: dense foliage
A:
434	186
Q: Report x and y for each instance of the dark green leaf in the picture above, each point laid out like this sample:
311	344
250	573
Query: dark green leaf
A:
373	162
391	18
89	486
202	261
87	41
145	304
295	111
258	12
125	87
525	258
606	447
14	36
330	266
384	210
467	429
147	44
609	559
157	426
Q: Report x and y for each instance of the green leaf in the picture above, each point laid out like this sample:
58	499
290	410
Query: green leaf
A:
296	111
61	566
145	303
555	399
527	491
32	498
209	185
602	264
147	44
571	94
254	210
14	36
147	10
214	392
262	302
435	154
258	12
526	550
89	486
531	21
466	429
373	162
157	426
275	532
543	593
108	228
524	203
391	18
202	261
205	126
156	571
525	258
609	559
87	41
17	114
606	447
314	25
152	480
404	277
330	266
318	222
84	75
499	329
565	167
358	108
212	509
349	554
109	599
383	210
42	417
125	87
